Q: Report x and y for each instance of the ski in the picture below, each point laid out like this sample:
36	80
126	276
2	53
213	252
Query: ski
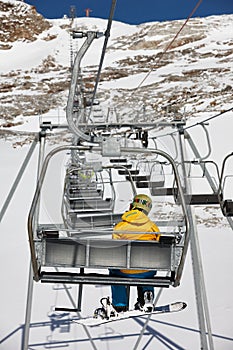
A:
91	321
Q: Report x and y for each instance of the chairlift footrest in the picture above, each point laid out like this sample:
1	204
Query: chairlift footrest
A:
102	279
66	309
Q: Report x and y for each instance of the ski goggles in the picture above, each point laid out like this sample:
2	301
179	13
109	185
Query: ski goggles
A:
143	202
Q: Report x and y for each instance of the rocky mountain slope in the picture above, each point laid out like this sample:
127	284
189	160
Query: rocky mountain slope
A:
19	22
194	76
31	89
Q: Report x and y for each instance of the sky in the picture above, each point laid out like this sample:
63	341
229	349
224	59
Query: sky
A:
133	11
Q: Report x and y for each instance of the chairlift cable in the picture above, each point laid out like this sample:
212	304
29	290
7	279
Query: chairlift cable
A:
107	35
170	44
196	124
210	118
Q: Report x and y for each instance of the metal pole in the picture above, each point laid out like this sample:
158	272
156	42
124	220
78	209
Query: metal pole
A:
198	282
80	292
200	291
147	321
18	178
30	274
28	309
198	271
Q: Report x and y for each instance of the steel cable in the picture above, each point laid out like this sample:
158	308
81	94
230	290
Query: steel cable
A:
107	35
196	124
170	44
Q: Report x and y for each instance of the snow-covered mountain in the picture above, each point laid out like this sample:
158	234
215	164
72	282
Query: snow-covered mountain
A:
193	76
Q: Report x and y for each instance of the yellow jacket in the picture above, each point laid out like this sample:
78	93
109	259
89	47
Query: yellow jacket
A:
136	220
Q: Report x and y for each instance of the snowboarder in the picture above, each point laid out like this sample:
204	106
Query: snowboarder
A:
135	219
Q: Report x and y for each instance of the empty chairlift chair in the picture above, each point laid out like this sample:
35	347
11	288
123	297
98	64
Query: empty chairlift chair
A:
83	195
157	178
225	188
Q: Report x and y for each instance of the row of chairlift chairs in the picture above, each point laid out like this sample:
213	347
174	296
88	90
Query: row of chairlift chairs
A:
83	242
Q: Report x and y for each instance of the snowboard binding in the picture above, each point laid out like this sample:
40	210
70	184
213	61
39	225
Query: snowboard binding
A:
106	311
145	302
148	302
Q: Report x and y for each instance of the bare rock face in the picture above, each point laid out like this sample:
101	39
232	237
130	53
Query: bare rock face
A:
19	21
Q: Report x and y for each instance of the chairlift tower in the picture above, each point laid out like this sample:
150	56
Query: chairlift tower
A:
73	14
87	12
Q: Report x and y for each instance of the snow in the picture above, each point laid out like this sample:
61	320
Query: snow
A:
29	55
176	331
9	1
129	82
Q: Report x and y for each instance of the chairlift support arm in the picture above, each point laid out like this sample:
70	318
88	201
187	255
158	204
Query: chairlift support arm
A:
90	36
222	171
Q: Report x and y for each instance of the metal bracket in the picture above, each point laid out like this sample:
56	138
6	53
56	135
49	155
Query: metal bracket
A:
111	148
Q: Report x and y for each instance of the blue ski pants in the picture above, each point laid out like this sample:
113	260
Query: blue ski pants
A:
119	292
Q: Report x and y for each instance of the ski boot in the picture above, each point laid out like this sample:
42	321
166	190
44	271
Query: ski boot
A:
106	311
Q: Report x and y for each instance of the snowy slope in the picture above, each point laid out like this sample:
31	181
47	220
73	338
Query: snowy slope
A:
196	75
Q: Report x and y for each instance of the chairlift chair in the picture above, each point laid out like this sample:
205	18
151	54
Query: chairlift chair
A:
87	244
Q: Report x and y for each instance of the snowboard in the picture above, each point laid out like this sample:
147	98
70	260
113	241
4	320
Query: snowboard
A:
90	321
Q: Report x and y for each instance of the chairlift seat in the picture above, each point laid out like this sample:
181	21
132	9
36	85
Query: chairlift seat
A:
83	191
165	191
118	160
90	204
127	166
83	186
227	207
97	220
104	254
83	194
142	184
89	210
107	253
125	172
157	183
201	199
138	177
